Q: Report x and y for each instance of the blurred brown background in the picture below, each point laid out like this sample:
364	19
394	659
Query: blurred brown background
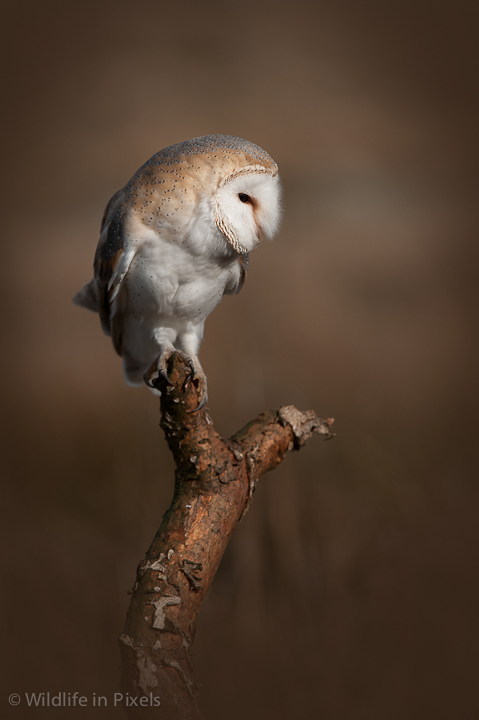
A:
351	589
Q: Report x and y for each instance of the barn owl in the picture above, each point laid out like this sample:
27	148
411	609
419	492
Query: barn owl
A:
173	241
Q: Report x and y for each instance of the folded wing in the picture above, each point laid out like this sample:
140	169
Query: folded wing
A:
112	260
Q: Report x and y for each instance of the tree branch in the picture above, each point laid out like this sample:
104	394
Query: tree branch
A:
214	484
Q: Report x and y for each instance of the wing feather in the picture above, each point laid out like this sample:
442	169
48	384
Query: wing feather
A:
244	265
112	259
231	288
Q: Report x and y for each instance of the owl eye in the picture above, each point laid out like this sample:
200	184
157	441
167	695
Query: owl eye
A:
244	197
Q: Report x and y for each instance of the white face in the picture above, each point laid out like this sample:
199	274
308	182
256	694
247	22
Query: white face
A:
247	208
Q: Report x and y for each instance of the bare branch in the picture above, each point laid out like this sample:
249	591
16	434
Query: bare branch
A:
214	484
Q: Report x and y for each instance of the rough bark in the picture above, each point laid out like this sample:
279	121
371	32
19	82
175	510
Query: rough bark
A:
214	483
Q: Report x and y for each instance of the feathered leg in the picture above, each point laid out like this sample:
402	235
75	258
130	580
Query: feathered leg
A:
187	348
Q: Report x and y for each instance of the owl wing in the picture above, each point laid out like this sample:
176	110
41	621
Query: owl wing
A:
244	265
112	260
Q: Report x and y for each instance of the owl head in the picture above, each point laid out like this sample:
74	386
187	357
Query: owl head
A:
247	206
227	182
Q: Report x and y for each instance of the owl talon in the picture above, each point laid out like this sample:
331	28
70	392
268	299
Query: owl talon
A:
165	377
201	404
157	370
187	380
192	374
202	391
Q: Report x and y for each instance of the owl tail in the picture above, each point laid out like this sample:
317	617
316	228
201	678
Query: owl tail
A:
87	297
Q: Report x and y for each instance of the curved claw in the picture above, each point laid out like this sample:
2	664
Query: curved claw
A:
192	374
200	405
162	373
202	390
152	380
155	371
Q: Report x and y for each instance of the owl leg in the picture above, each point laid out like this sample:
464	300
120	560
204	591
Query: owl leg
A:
164	339
158	369
189	342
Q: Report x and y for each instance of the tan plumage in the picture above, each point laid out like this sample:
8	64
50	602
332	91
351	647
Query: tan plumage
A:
173	241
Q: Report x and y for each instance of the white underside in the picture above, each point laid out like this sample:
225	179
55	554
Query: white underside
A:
168	291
